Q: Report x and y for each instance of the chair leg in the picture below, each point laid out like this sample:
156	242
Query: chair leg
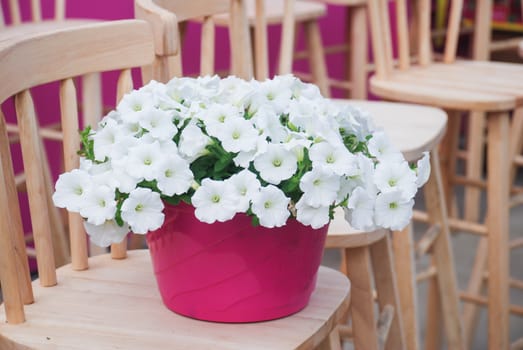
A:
385	282
442	256
317	63
403	247
498	231
357	22
362	303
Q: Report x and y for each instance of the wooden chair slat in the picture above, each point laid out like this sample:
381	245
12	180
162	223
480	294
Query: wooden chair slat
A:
14	11
59	10
36	188
36	11
9	235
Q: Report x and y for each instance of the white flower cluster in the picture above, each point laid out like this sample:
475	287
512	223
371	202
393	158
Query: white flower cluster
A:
271	149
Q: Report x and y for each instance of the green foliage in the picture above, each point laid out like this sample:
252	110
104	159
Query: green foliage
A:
87	147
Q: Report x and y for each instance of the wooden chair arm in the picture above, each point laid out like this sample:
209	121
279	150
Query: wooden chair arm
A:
164	25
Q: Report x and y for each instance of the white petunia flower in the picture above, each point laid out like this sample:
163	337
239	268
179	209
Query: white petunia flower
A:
236	135
268	122
337	159
270	206
119	176
105	140
143	161
107	233
193	142
174	175
99	205
159	124
271	93
396	175
71	188
380	147
320	187
142	210
423	169
360	209
132	106
217	114
316	217
276	164
393	211
246	185
214	201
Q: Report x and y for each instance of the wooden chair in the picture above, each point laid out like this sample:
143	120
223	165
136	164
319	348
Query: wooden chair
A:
91	103
413	129
288	14
70	308
487	87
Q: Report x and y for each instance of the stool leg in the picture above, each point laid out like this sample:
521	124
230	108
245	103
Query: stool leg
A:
385	282
362	304
317	63
433	318
448	159
474	287
442	256
497	226
403	247
331	342
474	163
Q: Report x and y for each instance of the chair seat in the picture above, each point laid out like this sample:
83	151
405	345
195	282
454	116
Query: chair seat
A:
464	85
426	125
116	305
303	11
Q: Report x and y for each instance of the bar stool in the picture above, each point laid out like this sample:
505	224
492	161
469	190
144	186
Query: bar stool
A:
413	129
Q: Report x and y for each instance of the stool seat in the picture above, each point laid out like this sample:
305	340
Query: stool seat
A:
342	235
274	12
426	126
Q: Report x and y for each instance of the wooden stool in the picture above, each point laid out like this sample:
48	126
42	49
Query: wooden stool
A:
359	249
413	129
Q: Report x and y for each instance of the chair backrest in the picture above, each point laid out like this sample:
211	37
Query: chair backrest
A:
29	60
14	9
165	16
381	18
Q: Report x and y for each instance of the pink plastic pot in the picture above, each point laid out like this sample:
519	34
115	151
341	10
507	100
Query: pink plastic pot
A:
231	271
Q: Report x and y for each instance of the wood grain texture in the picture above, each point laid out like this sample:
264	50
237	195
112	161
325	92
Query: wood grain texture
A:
116	303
